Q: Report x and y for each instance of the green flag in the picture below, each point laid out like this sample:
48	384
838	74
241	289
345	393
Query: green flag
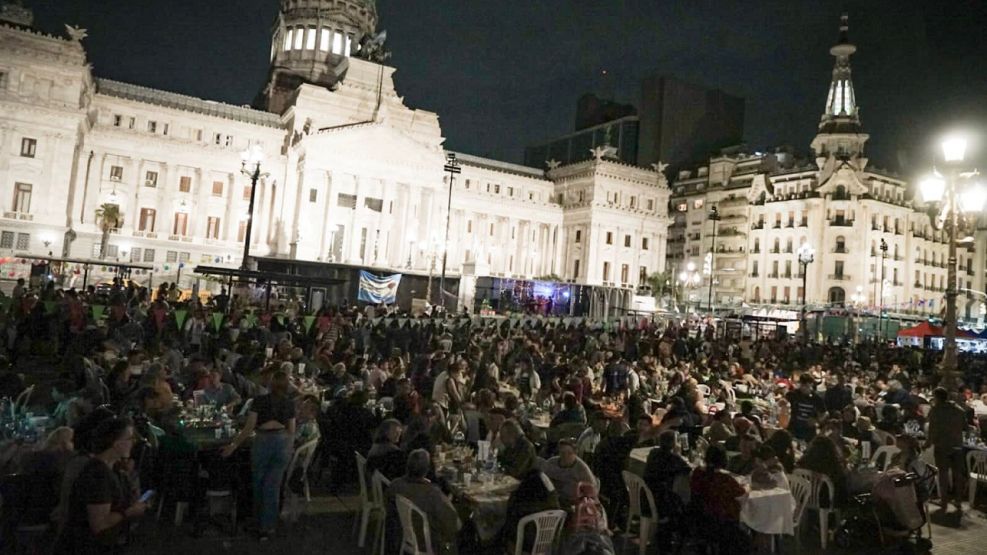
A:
217	320
309	320
98	310
49	307
251	319
180	315
281	319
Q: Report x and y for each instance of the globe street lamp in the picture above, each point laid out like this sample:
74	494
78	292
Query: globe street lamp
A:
689	278
955	203
250	167
806	255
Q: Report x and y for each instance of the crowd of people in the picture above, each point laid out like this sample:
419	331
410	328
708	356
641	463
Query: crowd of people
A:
118	381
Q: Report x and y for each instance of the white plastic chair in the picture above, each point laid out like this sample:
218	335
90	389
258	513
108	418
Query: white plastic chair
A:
881	458
367	506
801	491
976	464
377	485
410	542
817	482
704	389
547	527
635	485
303	458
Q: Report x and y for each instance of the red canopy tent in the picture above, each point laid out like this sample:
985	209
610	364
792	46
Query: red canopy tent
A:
926	329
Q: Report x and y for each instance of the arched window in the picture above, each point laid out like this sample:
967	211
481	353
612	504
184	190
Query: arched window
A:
840	192
836	295
777	245
757	294
288	38
840	244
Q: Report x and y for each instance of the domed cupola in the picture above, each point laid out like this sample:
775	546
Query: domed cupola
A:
311	42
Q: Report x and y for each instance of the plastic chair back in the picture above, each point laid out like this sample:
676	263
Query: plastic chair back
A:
361	470
883	455
801	491
411	543
378	483
817	483
976	464
547	527
635	485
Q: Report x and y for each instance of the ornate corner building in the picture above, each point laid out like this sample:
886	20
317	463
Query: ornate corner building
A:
353	175
770	204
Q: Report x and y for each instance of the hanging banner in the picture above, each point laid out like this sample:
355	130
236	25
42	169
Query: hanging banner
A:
378	290
309	320
217	320
180	315
49	307
98	310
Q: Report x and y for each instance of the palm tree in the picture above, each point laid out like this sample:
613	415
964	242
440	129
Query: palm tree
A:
660	283
109	218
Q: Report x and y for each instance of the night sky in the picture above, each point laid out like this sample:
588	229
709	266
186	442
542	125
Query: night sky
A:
505	74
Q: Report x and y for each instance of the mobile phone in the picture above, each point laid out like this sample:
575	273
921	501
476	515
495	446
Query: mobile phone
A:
147	496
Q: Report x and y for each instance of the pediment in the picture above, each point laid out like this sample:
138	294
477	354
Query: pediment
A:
846	176
372	141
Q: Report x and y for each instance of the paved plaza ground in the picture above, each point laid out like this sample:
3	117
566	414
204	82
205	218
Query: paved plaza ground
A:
326	528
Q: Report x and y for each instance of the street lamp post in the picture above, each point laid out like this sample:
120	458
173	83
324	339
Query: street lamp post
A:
880	312
806	255
969	201
714	217
452	167
250	167
689	278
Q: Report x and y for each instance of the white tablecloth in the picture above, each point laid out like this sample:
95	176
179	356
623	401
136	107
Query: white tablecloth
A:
768	511
641	454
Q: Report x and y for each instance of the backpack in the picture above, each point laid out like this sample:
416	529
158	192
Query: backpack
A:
588	514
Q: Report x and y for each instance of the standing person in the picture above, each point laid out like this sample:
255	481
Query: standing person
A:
947	420
807	408
273	417
99	508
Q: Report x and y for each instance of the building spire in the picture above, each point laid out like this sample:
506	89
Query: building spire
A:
841	104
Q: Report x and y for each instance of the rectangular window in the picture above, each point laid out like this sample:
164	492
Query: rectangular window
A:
28	147
287	39
469	226
117	121
146	223
363	244
682	207
627	240
698	203
346	201
171	256
579	235
241	232
496	189
606	271
131	123
246	192
212	227
788	293
337	44
644	243
217	138
575	269
196	135
642	274
181	224
310	39
151	179
184	256
116	173
22	197
23	241
609	237
633	202
324	40
375	204
7	240
625	273
510	191
152	127
135	254
491	230
184	184
148	255
651	204
299	38
164	129
349	45
217	188
838	268
229	140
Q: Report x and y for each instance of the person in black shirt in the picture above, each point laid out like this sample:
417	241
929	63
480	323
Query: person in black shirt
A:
663	467
273	417
807	408
838	396
98	508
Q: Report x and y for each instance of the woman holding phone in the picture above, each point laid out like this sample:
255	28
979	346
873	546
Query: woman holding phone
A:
99	507
272	416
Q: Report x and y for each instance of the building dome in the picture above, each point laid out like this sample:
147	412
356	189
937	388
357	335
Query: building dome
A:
311	42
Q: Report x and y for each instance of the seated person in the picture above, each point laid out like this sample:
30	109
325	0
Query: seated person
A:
664	465
534	494
443	522
743	464
307	424
767	472
588	441
217	393
567	471
714	495
647	432
385	455
722	427
572	412
518	455
822	456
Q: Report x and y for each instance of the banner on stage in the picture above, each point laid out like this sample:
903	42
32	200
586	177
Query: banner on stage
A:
377	290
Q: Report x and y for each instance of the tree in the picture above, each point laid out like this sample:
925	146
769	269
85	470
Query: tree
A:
661	284
548	277
108	217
